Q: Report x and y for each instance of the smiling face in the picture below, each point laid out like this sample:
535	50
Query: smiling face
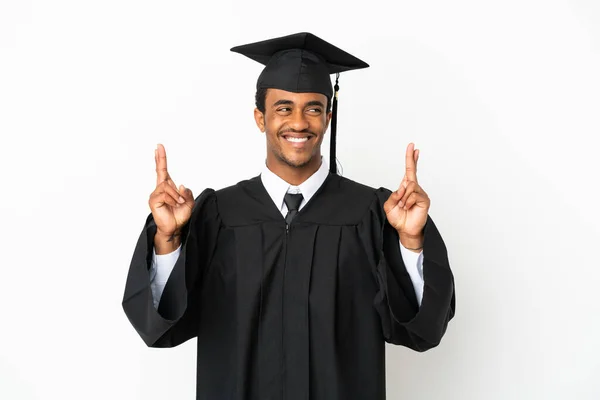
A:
295	124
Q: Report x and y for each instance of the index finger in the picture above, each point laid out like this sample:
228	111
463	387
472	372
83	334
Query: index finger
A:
411	163
161	164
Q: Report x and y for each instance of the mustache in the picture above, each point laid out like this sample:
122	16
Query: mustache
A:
290	130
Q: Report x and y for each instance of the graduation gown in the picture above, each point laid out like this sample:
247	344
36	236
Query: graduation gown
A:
291	312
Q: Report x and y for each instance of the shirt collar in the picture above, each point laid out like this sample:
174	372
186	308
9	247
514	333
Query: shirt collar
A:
277	187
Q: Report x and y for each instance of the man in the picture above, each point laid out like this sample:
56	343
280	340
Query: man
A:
292	281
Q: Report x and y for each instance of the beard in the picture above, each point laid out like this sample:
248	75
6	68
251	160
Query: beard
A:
295	164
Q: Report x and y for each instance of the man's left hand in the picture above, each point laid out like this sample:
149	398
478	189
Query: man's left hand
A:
406	209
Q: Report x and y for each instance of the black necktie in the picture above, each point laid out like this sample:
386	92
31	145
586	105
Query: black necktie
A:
292	201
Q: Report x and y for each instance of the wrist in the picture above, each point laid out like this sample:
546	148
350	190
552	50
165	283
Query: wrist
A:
166	243
413	243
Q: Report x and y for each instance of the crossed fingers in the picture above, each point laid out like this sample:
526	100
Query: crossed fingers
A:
166	190
162	174
412	156
410	193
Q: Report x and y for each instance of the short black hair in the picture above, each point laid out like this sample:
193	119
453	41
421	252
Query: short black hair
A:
261	95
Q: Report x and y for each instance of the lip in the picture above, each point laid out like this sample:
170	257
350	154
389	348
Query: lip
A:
296	135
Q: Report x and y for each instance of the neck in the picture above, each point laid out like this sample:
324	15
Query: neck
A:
294	175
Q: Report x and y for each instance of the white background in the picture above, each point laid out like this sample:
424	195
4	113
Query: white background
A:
502	98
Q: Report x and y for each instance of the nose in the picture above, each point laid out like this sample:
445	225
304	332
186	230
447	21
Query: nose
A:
298	121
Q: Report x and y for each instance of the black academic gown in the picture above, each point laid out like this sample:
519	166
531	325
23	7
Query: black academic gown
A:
298	312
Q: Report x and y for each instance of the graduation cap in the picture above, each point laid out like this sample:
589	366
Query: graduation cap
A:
302	63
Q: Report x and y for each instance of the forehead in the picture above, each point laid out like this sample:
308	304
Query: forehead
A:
274	95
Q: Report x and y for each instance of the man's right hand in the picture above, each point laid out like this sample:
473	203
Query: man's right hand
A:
171	206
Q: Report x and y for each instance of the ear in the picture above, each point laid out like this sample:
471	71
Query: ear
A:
259	117
329	114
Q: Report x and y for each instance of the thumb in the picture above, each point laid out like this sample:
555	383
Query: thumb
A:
186	193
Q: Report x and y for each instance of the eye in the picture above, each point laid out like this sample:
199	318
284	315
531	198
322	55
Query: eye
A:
284	109
315	110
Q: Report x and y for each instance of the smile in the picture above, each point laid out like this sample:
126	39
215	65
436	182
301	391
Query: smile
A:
296	139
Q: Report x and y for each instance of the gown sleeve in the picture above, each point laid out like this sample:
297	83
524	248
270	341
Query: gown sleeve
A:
403	322
177	318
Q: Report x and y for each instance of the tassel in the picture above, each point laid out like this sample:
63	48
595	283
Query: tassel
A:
332	156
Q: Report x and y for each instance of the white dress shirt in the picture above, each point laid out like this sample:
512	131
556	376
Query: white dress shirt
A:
162	265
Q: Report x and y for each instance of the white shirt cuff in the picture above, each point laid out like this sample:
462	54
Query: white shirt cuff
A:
160	270
414	266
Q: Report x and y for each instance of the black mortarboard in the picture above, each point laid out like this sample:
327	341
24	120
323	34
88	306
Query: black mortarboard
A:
302	63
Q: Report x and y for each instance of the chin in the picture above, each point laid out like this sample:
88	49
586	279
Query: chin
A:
298	163
295	162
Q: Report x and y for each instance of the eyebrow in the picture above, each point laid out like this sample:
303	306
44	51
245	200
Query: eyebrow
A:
288	102
282	101
315	103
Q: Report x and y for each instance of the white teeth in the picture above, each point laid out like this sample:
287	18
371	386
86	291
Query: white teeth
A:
297	140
